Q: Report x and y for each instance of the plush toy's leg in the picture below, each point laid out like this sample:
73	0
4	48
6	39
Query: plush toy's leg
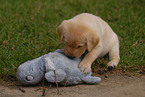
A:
59	74
91	79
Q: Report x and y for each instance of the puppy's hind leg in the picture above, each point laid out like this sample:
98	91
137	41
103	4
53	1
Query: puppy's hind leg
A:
114	57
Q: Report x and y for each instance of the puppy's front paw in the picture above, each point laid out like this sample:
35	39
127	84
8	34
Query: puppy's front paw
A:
86	68
111	65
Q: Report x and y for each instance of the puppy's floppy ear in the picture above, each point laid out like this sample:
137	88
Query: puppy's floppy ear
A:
92	40
61	30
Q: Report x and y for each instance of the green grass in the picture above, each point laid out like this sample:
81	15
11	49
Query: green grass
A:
28	28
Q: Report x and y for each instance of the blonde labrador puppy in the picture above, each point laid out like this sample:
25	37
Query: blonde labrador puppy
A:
89	32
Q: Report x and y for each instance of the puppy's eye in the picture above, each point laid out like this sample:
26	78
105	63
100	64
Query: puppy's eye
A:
79	46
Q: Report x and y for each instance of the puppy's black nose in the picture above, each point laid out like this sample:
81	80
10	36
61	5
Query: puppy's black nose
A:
71	57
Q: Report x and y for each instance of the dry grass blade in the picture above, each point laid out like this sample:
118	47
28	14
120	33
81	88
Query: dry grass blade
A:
56	83
43	94
21	89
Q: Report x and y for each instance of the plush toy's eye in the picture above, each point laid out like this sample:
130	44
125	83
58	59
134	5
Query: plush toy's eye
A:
29	78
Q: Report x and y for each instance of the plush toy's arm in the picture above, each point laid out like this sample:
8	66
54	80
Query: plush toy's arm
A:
91	79
59	74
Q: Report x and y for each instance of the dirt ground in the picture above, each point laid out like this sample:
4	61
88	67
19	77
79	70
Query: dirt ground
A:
112	85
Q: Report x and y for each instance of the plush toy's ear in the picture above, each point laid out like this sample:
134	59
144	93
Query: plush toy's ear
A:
61	30
92	40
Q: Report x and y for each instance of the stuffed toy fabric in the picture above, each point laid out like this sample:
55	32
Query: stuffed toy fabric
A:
55	66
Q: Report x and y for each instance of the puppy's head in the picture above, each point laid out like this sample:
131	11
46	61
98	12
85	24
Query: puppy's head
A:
78	38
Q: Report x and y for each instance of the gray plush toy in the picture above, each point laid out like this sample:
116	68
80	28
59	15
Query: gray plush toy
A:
66	70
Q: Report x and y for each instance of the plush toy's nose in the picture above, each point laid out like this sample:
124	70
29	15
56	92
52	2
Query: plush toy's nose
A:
29	78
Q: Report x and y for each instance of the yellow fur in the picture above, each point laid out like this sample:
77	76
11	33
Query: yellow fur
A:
89	32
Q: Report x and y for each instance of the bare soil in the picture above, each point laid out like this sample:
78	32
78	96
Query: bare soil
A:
112	85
